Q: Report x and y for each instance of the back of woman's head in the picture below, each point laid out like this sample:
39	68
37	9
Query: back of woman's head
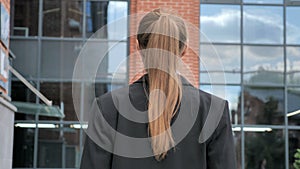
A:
162	40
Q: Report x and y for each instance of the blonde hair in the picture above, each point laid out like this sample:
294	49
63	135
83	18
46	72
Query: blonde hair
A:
162	37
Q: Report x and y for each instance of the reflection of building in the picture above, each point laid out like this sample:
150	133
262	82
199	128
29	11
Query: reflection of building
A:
263	106
62	18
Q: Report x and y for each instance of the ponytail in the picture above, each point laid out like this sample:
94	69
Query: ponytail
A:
160	40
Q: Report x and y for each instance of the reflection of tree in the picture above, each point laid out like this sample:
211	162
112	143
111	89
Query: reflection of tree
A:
270	111
264	149
265	76
263	105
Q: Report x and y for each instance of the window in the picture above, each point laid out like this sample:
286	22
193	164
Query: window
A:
220	23
263	24
263	65
25	22
219	60
292	25
62	18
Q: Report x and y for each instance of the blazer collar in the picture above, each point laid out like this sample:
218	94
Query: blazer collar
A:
184	81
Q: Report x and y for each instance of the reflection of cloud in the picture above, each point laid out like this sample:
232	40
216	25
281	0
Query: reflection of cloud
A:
293	59
220	58
293	33
266	58
221	20
262	25
222	26
229	56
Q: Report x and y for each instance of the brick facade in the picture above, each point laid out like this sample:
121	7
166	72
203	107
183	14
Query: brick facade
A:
188	10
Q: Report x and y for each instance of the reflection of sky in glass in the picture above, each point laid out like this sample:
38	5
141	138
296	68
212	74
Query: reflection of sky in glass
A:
264	1
117	10
293	65
217	60
229	55
263	64
220	23
263	58
293	58
293	25
231	93
117	59
263	24
293	98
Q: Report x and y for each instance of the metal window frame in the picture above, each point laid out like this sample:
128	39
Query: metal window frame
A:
285	127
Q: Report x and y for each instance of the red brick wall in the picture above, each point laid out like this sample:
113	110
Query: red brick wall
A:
6	4
188	10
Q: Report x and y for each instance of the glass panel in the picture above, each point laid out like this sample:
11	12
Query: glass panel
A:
232	94
292	25
22	116
220	23
263	24
72	146
62	18
26	14
265	150
238	145
263	65
100	13
264	1
59	93
293	65
26	52
263	105
113	63
229	56
50	147
22	92
23	147
293	99
117	61
58	147
294	144
59	58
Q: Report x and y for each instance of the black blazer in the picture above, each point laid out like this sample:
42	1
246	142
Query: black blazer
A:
208	144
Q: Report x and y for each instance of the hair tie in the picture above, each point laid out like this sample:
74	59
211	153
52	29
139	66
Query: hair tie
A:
164	14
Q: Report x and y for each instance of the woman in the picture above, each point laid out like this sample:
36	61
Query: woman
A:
184	127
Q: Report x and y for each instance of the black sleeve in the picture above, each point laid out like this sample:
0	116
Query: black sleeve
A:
99	136
221	149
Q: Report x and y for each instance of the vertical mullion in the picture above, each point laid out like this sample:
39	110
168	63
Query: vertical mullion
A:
40	33
286	131
82	91
128	40
242	85
84	20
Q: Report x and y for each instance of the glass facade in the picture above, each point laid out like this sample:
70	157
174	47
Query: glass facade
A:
47	37
258	44
257	41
